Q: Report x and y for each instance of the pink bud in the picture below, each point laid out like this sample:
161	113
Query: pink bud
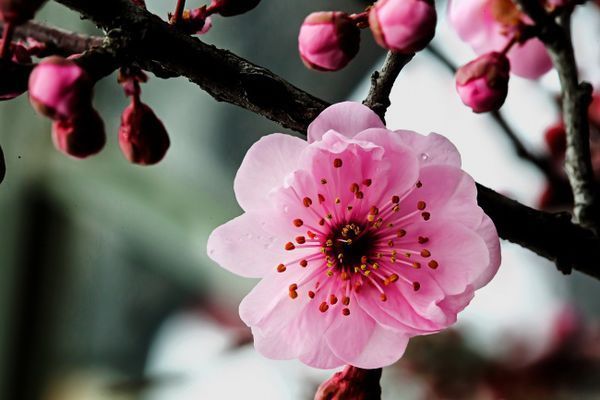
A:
404	26
81	136
229	8
59	88
142	136
328	40
482	84
19	11
351	384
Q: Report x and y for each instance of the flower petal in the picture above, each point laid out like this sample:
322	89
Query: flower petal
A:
347	118
385	347
487	230
264	168
530	60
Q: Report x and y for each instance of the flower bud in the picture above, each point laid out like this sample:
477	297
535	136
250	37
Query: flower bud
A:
59	88
19	11
80	136
13	79
403	26
194	22
142	136
229	8
482	84
351	384
556	140
328	40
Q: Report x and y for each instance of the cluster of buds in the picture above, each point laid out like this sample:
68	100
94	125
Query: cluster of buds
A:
62	91
143	138
197	21
329	40
482	84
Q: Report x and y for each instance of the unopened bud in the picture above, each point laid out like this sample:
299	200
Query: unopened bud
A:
351	384
59	88
403	26
19	11
328	40
194	22
142	136
80	136
482	84
229	8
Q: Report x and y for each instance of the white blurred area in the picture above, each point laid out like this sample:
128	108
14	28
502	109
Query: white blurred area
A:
521	303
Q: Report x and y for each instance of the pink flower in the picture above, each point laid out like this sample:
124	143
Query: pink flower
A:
328	40
363	237
489	25
403	26
482	84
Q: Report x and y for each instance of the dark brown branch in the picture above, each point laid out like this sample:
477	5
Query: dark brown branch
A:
382	82
554	32
156	46
543	164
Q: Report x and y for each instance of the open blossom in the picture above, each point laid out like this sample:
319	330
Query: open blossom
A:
363	237
489	25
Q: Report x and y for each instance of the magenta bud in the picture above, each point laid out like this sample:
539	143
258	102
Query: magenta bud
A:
482	84
59	88
80	136
19	11
142	136
328	40
403	26
229	8
351	384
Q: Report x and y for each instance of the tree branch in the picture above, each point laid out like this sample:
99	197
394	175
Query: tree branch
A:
158	47
382	82
554	32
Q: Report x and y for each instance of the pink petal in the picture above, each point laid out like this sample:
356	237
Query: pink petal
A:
347	118
243	247
264	168
487	230
385	347
431	149
530	60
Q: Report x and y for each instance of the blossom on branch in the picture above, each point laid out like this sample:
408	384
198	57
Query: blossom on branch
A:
363	237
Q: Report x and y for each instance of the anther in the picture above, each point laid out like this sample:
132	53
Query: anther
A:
289	246
307	202
432	264
395	199
421	205
374	210
338	200
332	299
423	239
311	235
337	163
321	198
390	243
426	215
330	273
323	181
300	239
363	259
346	312
303	263
281	268
311	294
323	307
393	278
367	182
383	297
425	253
416	286
349	208
416	265
329	243
345	300
293	294
359	195
401	233
396	208
354	187
375	266
322	221
298	222
345	276
293	286
419	184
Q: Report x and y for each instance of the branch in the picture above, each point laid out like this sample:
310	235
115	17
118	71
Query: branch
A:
227	77
382	82
554	32
543	164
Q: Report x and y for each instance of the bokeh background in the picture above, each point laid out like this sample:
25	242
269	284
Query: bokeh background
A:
106	291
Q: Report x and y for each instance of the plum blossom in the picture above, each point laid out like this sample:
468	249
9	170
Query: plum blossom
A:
490	25
363	237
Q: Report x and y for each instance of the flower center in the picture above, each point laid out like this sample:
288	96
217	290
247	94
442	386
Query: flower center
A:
351	243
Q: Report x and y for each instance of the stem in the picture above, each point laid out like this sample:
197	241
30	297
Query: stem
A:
509	45
178	13
9	29
361	19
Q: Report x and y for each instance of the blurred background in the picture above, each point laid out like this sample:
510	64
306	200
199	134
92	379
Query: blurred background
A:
106	291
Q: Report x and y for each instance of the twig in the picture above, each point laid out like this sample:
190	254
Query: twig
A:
382	82
543	164
155	46
556	36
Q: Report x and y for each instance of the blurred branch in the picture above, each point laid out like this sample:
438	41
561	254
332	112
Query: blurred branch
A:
543	164
554	30
158	47
382	82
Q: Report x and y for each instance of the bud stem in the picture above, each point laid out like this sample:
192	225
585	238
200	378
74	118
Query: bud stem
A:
509	45
135	99
177	15
9	29
361	19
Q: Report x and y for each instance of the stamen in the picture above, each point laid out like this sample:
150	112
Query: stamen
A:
401	233
419	184
426	215
346	311
345	300
281	268
337	163
300	239
323	307
425	253
423	239
367	182
354	188
303	263
289	246
416	286
383	297
321	198
333	299
421	205
395	199
359	195
323	181
433	264
311	294
307	202
298	222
